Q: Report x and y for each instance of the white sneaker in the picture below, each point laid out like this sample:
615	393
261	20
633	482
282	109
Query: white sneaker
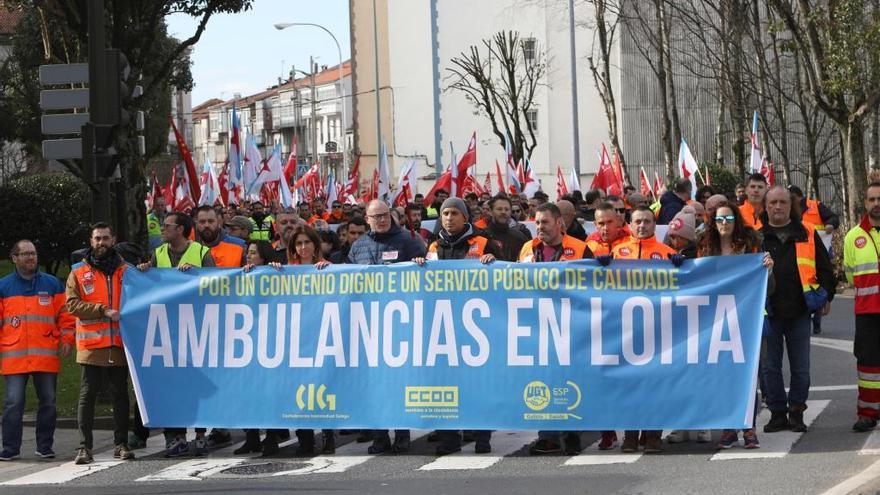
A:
677	436
704	436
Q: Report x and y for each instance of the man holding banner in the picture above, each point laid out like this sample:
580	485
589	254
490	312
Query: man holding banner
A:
457	240
552	244
386	243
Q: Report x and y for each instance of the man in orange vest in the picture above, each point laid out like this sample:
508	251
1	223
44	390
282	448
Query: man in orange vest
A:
33	324
458	240
551	244
821	218
805	282
228	251
753	207
94	290
610	230
643	245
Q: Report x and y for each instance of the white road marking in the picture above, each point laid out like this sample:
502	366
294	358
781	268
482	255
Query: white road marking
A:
773	445
70	471
851	484
872	444
832	388
836	344
504	443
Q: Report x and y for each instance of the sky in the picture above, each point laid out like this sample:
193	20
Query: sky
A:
260	53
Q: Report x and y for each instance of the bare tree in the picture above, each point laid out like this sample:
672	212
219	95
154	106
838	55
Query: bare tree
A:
501	78
605	31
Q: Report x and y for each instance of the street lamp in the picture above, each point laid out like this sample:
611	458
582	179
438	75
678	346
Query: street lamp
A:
285	25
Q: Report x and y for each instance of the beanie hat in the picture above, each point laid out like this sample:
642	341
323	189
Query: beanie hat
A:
714	200
458	204
683	225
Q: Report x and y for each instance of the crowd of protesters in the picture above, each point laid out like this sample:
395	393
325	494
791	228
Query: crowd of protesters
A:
779	222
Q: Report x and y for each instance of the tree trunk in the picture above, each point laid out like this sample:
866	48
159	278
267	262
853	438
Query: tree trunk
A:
853	136
670	77
665	134
719	131
874	153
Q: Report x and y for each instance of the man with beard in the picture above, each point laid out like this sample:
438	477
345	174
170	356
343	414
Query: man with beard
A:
458	240
228	251
94	290
413	218
862	266
264	224
286	221
550	245
34	327
506	233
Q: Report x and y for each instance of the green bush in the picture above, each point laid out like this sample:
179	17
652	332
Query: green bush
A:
723	179
50	209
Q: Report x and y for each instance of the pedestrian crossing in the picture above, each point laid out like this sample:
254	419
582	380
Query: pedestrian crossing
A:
351	458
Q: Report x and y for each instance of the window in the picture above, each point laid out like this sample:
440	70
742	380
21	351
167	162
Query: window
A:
532	116
530	47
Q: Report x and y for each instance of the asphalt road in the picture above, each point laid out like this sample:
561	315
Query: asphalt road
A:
826	456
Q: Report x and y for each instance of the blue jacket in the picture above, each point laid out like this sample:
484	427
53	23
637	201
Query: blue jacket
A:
393	246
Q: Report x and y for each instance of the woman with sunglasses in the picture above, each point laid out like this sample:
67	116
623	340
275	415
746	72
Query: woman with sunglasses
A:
728	235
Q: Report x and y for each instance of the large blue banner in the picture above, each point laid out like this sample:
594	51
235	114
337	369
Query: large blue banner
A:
450	345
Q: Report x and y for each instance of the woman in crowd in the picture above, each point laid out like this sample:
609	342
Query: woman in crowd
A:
728	235
261	253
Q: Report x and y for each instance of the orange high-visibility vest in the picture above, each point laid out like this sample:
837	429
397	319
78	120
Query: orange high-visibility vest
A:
476	250
96	287
572	249
642	249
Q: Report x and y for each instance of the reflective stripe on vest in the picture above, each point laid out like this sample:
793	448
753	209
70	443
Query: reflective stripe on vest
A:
19	318
806	260
154	227
97	288
31	351
861	263
262	231
193	255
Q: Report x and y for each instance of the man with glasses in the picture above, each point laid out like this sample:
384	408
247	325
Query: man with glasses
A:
386	243
181	253
34	326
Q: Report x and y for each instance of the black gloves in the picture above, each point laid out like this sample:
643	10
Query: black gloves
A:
676	259
604	259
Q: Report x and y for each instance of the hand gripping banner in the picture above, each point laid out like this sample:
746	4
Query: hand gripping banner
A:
450	345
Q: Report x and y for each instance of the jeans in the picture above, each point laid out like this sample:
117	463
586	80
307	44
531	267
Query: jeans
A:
44	384
793	336
93	379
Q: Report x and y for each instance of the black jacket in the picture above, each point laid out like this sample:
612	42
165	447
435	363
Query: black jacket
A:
508	241
787	300
388	247
456	248
576	230
670	205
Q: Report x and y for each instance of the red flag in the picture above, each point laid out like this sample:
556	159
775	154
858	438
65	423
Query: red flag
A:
354	176
444	182
374	185
468	159
223	184
498	176
192	175
767	171
605	178
645	183
289	172
156	189
658	186
561	186
487	184
168	191
618	169
708	179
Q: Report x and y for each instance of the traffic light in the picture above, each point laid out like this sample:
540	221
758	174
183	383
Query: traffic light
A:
116	83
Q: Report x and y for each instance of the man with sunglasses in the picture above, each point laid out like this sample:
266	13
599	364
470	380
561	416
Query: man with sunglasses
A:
337	216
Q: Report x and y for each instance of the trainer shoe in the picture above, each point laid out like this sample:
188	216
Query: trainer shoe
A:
750	439
728	439
608	440
704	436
864	424
179	447
543	446
630	442
46	454
200	447
122	452
8	456
83	456
219	437
677	436
778	422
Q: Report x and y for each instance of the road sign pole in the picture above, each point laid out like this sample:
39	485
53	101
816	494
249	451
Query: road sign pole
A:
98	111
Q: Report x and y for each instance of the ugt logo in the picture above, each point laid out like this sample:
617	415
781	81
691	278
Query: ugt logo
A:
314	397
